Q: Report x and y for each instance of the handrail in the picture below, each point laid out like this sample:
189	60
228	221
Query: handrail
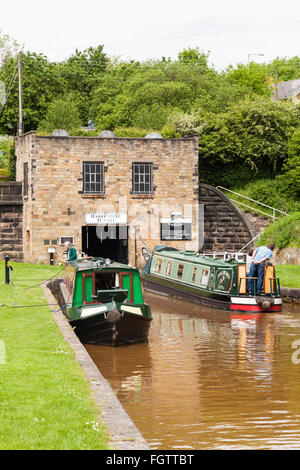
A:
256	202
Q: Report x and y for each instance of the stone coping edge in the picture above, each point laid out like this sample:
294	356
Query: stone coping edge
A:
123	433
290	292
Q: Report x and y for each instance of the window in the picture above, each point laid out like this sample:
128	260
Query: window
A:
168	268
194	274
142	178
204	277
158	265
93	178
180	270
63	240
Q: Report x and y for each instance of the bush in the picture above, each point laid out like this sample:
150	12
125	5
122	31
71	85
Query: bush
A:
271	192
285	232
62	113
11	162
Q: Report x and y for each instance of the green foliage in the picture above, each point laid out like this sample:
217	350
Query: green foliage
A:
41	85
253	77
252	133
11	161
62	113
134	132
8	47
289	275
291	168
270	191
186	124
285	232
287	68
194	56
4	150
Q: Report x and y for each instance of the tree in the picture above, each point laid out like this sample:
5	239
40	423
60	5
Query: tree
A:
291	167
8	47
251	133
253	76
194	56
42	83
62	113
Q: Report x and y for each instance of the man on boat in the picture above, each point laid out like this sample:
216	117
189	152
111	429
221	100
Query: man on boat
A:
70	252
260	256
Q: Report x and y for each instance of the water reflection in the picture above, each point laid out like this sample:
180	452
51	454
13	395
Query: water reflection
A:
208	379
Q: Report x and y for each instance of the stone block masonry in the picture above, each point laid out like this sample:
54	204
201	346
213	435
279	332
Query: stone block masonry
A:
11	216
225	228
55	204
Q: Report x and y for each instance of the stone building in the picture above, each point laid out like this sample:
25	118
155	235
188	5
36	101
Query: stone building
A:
109	196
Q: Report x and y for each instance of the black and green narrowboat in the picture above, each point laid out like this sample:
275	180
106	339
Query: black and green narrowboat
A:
215	282
103	302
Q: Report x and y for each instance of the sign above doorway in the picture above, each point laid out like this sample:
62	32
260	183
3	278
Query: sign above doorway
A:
113	218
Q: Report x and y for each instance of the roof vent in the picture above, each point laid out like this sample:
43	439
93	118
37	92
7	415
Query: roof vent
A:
107	135
60	133
153	135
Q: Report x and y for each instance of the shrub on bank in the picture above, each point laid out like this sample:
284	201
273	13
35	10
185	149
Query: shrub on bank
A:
271	192
285	232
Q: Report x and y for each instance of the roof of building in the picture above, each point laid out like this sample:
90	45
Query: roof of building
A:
288	89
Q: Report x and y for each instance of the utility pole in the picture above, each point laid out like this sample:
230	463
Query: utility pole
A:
276	84
21	126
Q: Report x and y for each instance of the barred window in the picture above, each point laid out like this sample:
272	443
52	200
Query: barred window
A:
142	178
93	178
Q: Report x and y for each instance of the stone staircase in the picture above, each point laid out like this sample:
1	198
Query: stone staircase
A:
225	227
11	220
256	222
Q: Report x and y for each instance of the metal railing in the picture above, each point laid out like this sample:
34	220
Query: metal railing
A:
273	209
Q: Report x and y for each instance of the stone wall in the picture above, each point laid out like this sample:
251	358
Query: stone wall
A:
225	228
11	208
56	205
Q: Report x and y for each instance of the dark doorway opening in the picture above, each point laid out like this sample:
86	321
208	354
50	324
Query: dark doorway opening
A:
106	242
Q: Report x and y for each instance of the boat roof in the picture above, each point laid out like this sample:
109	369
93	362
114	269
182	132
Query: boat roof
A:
97	264
192	257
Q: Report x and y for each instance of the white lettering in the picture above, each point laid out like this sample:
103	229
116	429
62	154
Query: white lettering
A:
295	358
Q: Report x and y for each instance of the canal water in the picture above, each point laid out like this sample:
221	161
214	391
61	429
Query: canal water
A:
207	379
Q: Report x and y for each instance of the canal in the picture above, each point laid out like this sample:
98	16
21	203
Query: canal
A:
210	380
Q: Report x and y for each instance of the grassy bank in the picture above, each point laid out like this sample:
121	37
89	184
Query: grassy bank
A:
285	232
45	400
289	275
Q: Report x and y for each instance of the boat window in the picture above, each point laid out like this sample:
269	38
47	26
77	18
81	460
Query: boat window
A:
194	274
204	277
106	280
168	267
180	270
158	265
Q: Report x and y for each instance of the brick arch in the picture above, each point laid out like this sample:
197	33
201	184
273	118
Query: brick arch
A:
225	227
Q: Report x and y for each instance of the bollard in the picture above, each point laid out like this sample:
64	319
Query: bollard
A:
7	269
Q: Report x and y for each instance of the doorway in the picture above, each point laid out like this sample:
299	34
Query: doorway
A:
110	241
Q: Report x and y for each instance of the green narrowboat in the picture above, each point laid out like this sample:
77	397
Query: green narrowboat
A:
211	281
103	302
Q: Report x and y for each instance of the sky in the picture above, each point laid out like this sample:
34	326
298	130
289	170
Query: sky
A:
234	31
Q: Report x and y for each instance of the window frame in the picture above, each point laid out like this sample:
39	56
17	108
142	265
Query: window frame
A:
143	174
101	182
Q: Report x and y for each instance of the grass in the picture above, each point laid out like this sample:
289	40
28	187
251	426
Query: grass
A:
289	275
285	232
45	400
